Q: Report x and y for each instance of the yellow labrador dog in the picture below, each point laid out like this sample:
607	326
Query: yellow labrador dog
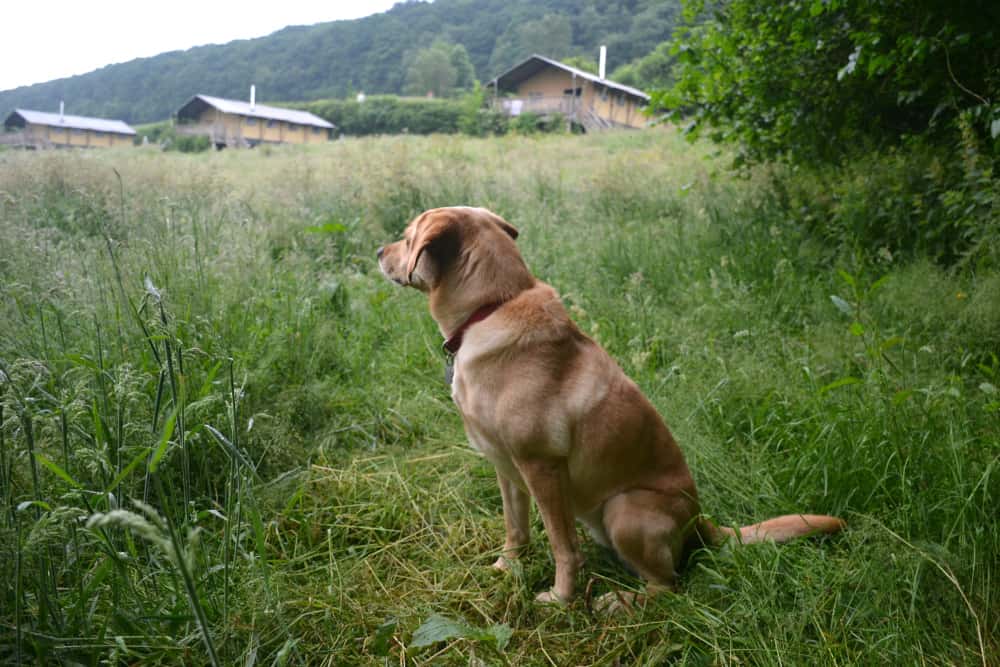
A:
552	410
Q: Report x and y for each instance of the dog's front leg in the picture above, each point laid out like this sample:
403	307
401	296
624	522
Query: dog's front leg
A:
548	481
516	506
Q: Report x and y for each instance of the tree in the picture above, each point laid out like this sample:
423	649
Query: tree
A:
431	72
582	62
551	36
653	71
465	73
813	81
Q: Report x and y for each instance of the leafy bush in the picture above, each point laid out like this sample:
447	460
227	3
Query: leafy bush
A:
154	133
165	135
388	114
913	200
477	119
654	70
814	81
887	111
186	143
531	123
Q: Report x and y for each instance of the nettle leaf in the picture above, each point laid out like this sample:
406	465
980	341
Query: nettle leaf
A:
436	629
439	628
383	634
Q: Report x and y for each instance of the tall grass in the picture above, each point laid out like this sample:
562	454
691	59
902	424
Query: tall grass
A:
224	437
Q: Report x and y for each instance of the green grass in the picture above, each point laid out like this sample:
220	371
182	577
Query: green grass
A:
223	433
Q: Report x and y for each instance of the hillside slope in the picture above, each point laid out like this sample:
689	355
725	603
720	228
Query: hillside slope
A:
368	54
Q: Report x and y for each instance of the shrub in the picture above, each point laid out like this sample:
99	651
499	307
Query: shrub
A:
911	200
388	114
189	143
530	123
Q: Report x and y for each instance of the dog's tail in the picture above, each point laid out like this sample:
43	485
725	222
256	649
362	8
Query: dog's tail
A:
778	529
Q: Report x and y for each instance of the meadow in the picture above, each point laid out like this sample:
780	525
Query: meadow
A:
225	437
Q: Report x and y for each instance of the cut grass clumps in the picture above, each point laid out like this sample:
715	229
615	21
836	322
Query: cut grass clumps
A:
225	437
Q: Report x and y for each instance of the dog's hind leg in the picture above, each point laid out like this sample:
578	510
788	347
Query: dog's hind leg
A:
648	537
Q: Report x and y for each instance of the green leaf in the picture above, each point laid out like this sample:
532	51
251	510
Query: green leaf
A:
206	386
842	306
995	128
842	382
97	576
901	396
436	629
857	328
33	503
281	658
890	343
161	448
847	277
328	228
98	424
878	283
86	362
260	542
127	469
501	634
231	449
439	628
380	645
56	470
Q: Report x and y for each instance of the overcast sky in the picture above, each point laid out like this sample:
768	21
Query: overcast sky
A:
66	37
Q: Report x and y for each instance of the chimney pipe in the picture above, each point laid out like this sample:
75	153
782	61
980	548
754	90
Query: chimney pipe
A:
253	97
604	59
62	107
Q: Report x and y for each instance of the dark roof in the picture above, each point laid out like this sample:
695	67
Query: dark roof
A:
537	63
199	103
19	117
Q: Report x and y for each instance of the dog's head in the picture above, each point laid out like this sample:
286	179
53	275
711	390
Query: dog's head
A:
463	257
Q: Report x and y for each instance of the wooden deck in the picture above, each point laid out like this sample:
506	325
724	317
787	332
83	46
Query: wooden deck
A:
572	108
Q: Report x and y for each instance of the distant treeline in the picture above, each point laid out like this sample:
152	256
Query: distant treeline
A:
379	54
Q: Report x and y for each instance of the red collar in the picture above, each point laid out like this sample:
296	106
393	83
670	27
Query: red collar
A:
452	344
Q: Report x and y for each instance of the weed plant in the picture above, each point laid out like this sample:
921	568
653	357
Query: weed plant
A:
224	437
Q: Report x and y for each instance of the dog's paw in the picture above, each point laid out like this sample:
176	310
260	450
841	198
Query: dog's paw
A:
502	564
550	597
619	602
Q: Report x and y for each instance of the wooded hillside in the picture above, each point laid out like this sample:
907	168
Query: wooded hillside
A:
371	54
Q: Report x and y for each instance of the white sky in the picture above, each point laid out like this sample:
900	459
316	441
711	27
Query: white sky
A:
66	37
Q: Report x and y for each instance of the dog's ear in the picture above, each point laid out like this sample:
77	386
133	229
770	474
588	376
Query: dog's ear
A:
504	225
434	229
